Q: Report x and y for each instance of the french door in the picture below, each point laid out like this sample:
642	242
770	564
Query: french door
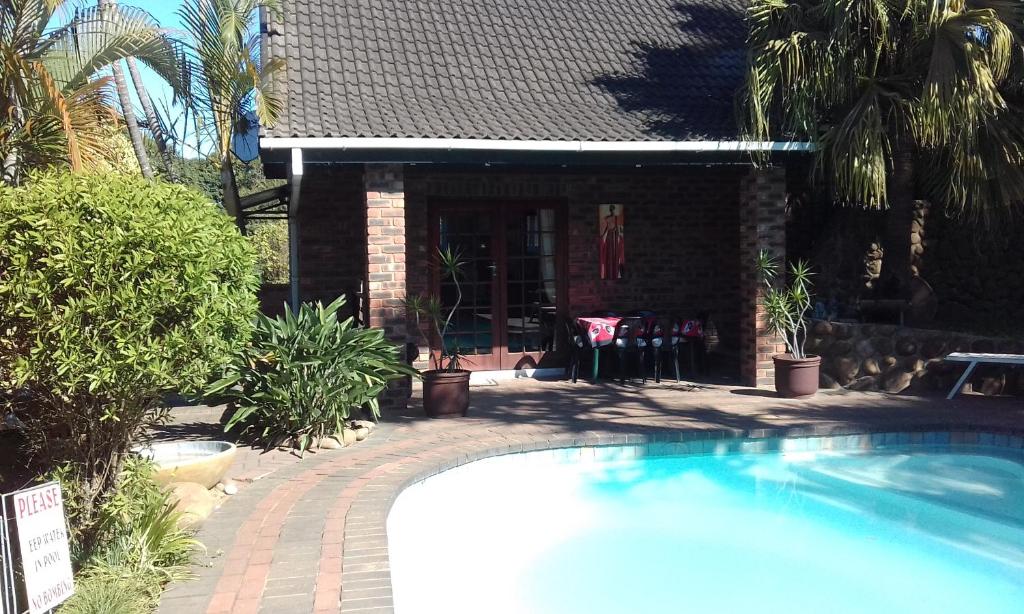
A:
512	285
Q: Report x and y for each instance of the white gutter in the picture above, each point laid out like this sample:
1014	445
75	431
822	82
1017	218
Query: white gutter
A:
515	145
295	172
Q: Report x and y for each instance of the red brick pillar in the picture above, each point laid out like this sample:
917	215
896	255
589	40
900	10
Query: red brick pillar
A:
385	262
762	226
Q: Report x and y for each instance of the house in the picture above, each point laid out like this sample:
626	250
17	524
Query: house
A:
518	131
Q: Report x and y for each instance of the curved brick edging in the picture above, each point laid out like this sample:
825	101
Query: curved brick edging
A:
309	535
366	587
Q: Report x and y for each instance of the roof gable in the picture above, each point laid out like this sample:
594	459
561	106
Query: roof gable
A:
589	70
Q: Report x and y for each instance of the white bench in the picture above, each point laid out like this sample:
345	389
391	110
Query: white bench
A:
973	360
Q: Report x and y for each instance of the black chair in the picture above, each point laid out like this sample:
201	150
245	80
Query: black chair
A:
579	343
630	343
663	339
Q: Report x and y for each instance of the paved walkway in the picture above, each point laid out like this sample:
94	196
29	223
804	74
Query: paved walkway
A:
308	535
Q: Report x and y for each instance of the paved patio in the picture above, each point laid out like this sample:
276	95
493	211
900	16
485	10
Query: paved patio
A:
308	535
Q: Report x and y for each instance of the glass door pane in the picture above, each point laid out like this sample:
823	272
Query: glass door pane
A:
469	234
531	280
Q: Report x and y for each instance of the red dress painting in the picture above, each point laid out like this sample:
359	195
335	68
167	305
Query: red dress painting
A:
612	242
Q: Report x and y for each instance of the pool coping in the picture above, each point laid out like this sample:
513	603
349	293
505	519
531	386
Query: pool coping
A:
368	512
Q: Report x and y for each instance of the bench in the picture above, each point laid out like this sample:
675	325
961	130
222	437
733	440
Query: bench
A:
973	360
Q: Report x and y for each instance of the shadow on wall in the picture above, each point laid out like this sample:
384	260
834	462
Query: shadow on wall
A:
679	90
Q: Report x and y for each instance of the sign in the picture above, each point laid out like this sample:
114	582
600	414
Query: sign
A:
42	533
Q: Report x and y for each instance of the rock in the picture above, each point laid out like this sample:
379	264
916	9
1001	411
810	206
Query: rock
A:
842	331
983	346
906	346
882	345
229	487
870	366
866	382
913	365
822	328
367	424
825	381
889	362
897	381
865	348
330	443
193	501
845	369
841	348
220	486
362	433
933	347
348	436
993	385
1008	346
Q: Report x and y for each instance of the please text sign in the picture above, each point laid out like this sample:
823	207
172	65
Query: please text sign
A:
42	535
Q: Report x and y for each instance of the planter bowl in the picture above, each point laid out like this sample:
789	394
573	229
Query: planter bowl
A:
203	462
446	393
796	377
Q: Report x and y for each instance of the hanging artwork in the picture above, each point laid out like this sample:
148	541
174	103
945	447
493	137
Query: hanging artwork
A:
611	241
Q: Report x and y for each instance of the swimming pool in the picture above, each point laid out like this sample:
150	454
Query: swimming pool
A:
812	525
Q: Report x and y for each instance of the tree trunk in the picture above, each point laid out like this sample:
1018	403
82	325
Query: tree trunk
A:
894	279
232	202
151	118
124	97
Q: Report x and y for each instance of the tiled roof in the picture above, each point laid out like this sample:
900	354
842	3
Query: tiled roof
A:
592	70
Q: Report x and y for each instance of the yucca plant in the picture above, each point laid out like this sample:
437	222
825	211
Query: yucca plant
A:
787	306
896	94
429	307
304	374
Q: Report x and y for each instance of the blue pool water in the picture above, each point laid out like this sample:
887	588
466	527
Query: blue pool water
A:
906	530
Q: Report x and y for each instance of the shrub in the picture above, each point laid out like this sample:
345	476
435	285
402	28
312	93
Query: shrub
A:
140	546
113	291
112	590
270	238
304	373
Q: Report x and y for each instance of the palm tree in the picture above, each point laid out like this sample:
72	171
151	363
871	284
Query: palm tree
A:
228	77
903	98
152	120
54	106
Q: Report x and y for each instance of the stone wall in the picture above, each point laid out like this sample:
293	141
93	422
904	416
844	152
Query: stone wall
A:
900	359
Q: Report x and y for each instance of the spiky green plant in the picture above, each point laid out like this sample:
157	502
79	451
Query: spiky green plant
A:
786	306
429	307
305	372
896	93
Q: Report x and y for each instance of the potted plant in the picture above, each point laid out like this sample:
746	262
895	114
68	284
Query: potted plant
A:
786	310
446	386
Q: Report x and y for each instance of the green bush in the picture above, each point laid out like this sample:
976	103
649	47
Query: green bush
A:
112	590
139	547
304	373
270	238
113	291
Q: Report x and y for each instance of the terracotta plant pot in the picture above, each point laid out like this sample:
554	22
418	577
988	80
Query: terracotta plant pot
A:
446	393
796	377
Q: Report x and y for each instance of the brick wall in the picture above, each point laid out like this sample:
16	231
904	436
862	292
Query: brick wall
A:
332	233
691	237
762	225
681	233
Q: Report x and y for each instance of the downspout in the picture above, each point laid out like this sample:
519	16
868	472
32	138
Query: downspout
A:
295	179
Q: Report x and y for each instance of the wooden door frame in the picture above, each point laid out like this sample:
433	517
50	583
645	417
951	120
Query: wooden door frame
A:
500	358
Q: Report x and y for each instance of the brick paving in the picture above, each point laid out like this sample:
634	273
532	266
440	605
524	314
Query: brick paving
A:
308	535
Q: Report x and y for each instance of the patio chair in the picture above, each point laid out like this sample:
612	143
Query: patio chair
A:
663	339
579	343
629	343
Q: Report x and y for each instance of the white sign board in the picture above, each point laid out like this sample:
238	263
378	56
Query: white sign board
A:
38	514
